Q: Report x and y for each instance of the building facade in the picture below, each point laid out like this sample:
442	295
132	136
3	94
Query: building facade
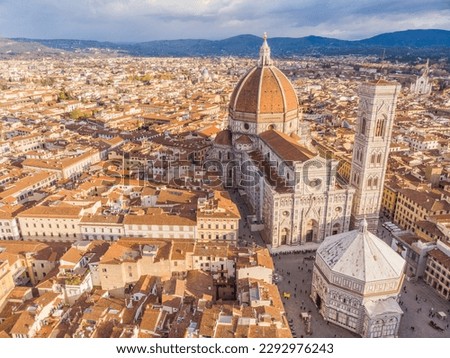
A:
437	272
293	190
422	86
6	281
376	113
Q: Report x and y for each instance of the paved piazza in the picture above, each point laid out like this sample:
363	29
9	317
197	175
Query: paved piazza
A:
296	272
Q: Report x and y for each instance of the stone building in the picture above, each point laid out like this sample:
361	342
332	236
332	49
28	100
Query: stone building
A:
422	86
376	111
356	282
293	190
437	272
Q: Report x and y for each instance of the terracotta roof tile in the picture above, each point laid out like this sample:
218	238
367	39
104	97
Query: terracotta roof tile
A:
264	90
285	146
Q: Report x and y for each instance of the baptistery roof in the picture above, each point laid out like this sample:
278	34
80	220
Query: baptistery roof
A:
361	255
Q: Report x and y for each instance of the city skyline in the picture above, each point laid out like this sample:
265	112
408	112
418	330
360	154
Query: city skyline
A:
224	196
139	20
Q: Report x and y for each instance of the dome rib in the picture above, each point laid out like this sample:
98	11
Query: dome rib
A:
258	105
361	255
247	93
237	91
283	94
284	82
264	90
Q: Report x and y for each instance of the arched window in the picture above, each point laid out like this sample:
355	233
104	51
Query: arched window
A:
372	159
336	228
379	158
379	130
375	182
363	125
369	183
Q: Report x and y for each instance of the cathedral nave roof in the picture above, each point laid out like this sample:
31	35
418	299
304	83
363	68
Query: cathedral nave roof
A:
285	146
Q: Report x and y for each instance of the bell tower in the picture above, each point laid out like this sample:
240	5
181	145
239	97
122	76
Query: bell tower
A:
376	112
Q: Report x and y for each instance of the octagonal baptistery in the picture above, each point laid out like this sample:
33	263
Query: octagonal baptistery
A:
356	281
264	99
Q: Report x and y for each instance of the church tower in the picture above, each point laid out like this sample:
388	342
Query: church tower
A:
422	86
376	111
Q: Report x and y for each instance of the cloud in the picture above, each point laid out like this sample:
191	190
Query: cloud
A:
142	20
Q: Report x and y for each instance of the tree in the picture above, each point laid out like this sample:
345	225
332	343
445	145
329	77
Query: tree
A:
79	114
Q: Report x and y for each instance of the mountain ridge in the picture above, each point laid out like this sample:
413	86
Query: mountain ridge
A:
428	42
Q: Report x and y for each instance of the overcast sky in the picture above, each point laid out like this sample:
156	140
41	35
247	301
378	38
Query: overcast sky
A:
143	20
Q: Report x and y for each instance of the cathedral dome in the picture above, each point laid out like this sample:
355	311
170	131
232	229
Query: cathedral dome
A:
264	90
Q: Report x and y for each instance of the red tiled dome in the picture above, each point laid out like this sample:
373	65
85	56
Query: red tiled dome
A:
264	89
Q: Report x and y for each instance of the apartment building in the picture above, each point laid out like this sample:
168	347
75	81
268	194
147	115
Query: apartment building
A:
101	227
22	190
128	259
67	168
416	205
6	280
217	218
437	272
157	223
9	228
51	223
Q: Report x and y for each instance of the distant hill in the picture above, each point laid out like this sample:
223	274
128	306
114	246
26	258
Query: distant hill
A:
411	38
410	43
9	48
